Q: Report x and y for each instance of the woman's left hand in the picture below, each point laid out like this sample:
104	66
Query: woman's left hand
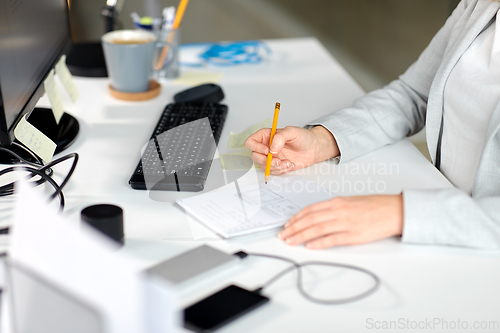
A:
346	221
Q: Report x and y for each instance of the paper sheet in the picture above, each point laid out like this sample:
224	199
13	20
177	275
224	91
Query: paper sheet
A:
86	265
64	75
196	78
53	95
35	140
237	211
237	140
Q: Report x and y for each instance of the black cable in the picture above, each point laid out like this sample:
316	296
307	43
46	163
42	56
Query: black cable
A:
45	173
8	189
27	150
41	174
47	169
21	159
70	172
300	287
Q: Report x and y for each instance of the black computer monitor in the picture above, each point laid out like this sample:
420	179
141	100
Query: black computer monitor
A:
34	34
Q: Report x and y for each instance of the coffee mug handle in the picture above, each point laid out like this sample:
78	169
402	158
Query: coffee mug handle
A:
165	53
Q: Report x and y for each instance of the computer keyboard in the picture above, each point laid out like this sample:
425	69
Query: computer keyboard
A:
179	154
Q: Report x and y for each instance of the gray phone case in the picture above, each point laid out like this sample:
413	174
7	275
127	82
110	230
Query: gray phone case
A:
190	264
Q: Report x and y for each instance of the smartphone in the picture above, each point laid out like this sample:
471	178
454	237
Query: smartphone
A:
221	308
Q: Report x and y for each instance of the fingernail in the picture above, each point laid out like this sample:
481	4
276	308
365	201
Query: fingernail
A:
289	241
278	163
288	165
279	236
293	165
272	150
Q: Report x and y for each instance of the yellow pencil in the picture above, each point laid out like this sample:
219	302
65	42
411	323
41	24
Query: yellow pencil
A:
273	131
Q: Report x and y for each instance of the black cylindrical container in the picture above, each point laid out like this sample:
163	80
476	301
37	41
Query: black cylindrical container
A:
106	218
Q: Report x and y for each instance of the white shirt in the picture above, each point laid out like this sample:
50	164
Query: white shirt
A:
471	94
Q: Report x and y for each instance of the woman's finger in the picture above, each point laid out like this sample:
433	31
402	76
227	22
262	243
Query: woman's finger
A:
259	158
282	137
316	231
336	239
311	220
259	141
320	206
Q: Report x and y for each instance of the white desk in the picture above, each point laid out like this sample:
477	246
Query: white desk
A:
419	283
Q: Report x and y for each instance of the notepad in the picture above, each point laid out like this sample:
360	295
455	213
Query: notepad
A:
237	140
240	160
237	211
195	78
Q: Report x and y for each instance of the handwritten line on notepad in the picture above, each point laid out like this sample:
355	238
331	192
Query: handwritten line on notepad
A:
265	207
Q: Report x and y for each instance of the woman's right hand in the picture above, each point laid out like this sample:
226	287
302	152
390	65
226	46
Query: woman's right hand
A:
293	148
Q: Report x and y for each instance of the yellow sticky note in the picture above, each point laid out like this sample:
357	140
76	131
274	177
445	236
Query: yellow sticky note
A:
237	140
54	97
196	78
64	75
35	140
240	160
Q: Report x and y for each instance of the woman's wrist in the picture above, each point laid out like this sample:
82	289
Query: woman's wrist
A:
399	214
327	145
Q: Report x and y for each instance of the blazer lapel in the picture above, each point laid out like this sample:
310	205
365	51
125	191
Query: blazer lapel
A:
484	183
494	125
481	16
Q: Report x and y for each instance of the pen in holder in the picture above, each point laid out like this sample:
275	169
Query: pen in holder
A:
166	60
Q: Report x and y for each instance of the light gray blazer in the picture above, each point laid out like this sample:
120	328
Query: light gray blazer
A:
385	116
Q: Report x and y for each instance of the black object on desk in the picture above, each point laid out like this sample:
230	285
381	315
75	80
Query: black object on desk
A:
221	308
180	152
205	93
87	60
63	133
106	218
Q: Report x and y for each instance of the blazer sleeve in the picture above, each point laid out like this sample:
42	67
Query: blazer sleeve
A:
451	217
387	115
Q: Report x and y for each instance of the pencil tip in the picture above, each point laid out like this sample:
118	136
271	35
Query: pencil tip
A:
266	182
